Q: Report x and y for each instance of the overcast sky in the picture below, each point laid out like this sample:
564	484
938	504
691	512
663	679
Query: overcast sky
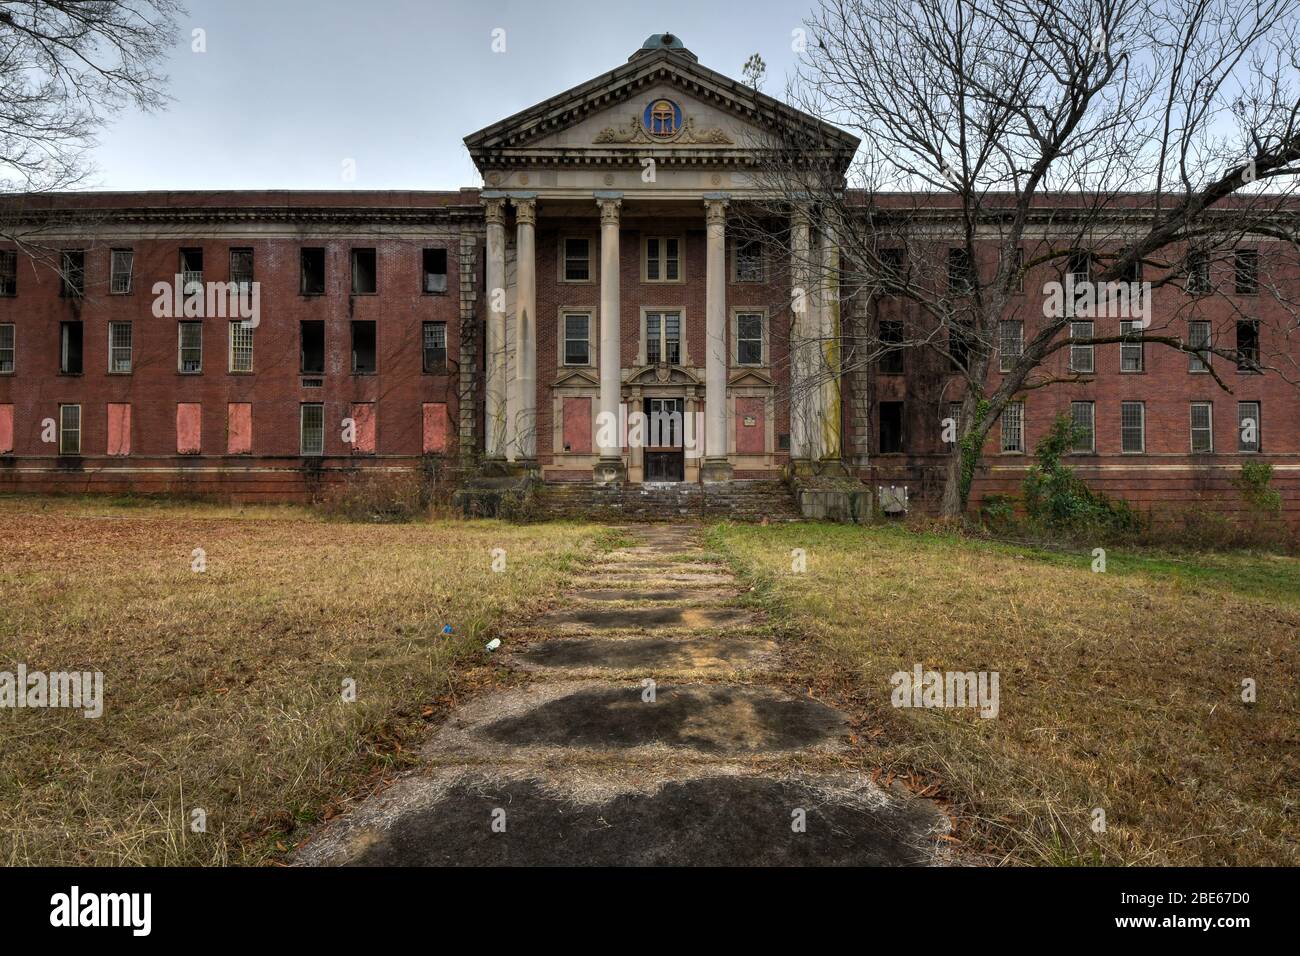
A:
287	90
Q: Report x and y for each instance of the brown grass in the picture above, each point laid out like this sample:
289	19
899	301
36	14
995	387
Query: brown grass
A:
1119	690
223	689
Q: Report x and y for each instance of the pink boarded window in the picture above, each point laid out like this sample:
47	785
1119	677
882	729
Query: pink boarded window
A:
435	427
751	426
577	426
189	428
6	429
119	429
239	428
363	415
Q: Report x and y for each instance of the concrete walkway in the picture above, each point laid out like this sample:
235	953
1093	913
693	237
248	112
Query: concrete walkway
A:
651	730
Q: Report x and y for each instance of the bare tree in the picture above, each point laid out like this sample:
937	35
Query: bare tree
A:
1112	141
65	67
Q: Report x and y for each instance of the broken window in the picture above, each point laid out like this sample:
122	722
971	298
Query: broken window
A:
70	348
363	348
1247	271
891	428
891	341
960	338
1247	345
241	267
121	262
191	268
312	273
435	271
8	272
1198	273
364	277
891	269
961	272
73	273
311	347
435	346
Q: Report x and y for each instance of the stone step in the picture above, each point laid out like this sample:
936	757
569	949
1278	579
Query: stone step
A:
645	618
742	500
675	658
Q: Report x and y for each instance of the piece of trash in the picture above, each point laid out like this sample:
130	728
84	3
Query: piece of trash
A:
446	629
493	644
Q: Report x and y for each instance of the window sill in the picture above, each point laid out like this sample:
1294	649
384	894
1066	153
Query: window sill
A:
362	295
356	374
442	294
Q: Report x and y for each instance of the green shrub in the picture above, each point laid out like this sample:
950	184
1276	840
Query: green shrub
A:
1057	499
1256	491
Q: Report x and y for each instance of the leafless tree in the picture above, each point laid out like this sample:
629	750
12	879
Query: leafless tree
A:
1128	139
65	67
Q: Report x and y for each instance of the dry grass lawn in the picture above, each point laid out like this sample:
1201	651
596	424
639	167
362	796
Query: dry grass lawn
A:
223	689
1119	690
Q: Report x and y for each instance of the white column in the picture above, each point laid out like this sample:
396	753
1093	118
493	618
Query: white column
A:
802	302
610	467
828	336
495	421
716	466
525	427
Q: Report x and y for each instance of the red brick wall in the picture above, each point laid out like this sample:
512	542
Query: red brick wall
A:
154	389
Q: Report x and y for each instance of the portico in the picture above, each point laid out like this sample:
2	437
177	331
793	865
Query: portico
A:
628	336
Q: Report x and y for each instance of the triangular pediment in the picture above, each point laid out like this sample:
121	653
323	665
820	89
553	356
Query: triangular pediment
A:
576	378
610	118
750	377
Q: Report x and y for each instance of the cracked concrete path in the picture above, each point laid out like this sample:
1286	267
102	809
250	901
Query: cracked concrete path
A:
652	729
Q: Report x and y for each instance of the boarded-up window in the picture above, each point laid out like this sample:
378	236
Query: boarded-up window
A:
577	426
189	428
751	426
363	418
6	429
239	428
119	429
435	427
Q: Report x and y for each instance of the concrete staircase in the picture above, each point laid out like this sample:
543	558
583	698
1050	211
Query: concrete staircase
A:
744	500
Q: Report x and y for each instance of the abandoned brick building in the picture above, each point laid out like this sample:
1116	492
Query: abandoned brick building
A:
496	325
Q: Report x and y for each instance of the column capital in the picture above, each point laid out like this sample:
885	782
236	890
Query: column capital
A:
609	208
495	211
715	209
525	211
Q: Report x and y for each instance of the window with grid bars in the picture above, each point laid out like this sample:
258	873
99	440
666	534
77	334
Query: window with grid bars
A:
1013	427
1083	415
1080	276
663	262
577	260
190	357
1198	337
954	412
121	263
8	272
119	347
663	332
69	429
749	260
435	346
1202	427
1081	356
1248	427
1132	351
312	432
1132	427
7	334
892	277
241	347
191	268
577	338
749	338
1011	343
